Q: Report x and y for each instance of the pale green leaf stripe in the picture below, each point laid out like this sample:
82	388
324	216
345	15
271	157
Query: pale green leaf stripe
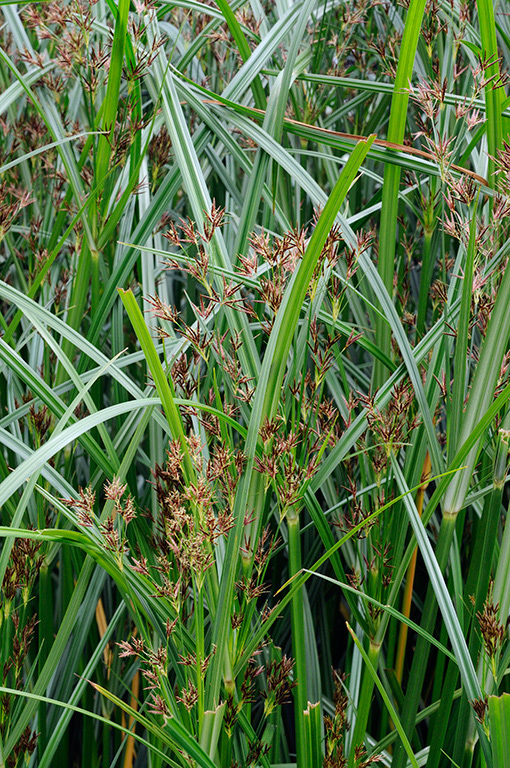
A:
46	148
391	316
173	734
422	715
172	181
74	606
273	125
459	461
375	86
68	366
55	653
29	488
53	123
50	474
420	351
242	79
34	311
243	48
38	387
482	389
200	201
455	634
73	538
275	357
201	40
461	355
299	579
43	454
394	323
36	460
45	268
340	325
15	90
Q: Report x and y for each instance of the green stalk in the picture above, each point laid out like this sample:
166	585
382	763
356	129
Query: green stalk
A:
312	718
477	585
160	379
106	730
244	50
200	655
387	701
499	713
465	735
427	266
273	124
427	260
45	639
112	91
501	591
494	96
461	344
441	721
88	263
298	639
389	210
365	698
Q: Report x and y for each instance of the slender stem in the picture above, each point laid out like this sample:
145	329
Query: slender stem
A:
298	638
427	262
200	653
364	704
389	210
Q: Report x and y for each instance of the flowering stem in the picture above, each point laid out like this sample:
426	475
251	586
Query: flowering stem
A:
199	624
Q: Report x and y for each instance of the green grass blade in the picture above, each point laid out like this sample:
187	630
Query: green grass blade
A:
494	92
499	714
154	364
387	701
396	131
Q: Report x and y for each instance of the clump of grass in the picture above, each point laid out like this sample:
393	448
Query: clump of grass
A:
254	384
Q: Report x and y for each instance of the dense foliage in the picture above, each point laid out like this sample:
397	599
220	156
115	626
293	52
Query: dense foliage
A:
254	383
